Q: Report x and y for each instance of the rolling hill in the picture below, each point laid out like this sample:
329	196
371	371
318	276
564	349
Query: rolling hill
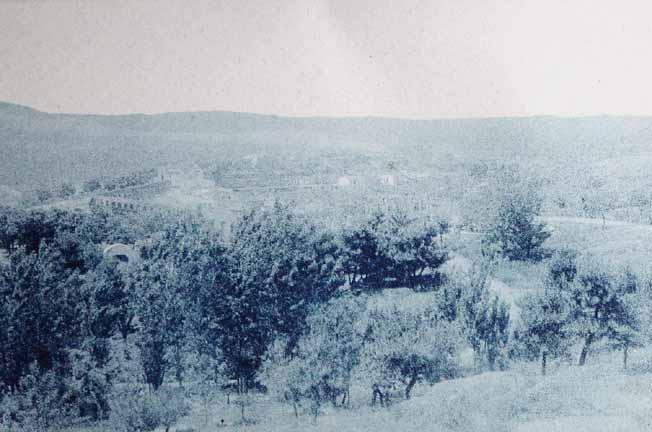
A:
40	148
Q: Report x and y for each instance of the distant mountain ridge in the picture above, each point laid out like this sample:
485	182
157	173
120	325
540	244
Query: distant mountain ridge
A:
40	148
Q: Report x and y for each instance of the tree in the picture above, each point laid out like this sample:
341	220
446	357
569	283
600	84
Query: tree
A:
28	229
415	250
402	348
91	185
106	309
602	306
160	313
66	190
394	248
624	330
280	265
43	195
544	324
562	269
320	368
515	234
364	260
484	316
545	315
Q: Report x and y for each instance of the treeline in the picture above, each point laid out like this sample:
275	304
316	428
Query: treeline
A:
137	178
68	190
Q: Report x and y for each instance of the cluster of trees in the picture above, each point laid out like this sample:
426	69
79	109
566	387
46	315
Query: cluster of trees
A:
63	191
389	349
68	190
191	295
60	305
284	304
129	180
582	303
395	250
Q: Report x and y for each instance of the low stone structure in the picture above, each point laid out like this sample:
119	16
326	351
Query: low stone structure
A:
121	252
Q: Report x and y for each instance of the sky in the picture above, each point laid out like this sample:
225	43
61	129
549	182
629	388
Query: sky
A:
409	59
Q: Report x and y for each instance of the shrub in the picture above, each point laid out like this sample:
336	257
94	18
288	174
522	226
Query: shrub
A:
88	385
39	403
136	409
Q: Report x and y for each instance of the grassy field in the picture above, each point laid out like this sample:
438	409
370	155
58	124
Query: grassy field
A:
598	397
618	243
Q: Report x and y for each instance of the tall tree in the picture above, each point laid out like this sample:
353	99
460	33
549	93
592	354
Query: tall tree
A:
280	265
365	261
41	300
160	317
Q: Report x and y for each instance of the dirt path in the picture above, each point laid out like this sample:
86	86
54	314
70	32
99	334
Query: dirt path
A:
594	221
505	292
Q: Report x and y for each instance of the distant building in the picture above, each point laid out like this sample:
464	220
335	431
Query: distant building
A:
388	179
343	181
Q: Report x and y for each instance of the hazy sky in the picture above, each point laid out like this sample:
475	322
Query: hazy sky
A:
455	58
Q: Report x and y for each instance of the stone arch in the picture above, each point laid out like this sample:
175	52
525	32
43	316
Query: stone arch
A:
120	252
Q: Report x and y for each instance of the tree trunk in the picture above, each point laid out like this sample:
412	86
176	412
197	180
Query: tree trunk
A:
625	352
585	349
379	394
411	384
544	360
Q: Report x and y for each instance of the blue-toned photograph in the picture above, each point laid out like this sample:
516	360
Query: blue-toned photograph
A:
325	215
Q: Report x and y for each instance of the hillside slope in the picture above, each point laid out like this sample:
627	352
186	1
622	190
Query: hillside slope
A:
39	148
599	397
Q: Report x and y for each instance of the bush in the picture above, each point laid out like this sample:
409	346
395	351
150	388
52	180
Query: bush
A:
40	402
136	409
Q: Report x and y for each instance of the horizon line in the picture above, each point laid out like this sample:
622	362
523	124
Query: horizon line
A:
325	117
